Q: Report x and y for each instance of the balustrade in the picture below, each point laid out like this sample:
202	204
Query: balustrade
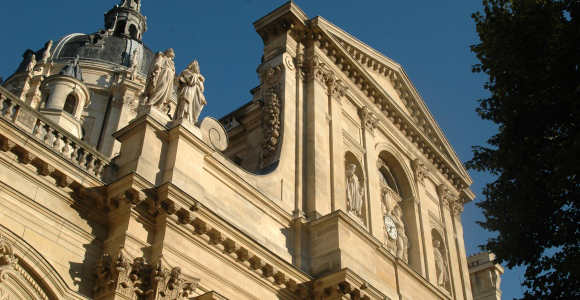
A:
51	135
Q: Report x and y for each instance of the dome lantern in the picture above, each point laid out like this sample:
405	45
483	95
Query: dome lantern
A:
126	20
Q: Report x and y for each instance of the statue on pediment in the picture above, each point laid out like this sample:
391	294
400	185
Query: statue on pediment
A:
354	192
191	100
160	82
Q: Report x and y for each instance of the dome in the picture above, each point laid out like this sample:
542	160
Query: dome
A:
101	47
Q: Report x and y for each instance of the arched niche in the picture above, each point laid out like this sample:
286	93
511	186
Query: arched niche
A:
355	187
440	258
25	274
133	32
398	209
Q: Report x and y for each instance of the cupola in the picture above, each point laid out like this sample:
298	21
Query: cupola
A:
66	97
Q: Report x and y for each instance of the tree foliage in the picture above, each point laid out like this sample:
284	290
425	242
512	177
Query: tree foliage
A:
530	50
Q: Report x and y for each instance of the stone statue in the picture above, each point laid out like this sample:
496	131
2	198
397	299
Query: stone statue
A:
46	52
134	64
440	264
190	93
161	76
354	192
73	69
31	64
402	240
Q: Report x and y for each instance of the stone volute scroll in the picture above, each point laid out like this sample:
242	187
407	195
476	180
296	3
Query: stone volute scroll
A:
214	134
191	100
355	192
160	80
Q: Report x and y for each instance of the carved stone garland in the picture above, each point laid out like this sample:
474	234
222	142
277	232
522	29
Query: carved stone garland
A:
272	113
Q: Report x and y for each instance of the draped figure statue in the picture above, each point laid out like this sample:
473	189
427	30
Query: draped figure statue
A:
354	192
160	82
191	100
402	240
440	264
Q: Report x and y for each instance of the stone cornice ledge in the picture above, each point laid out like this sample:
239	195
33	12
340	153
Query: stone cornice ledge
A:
378	245
257	198
229	239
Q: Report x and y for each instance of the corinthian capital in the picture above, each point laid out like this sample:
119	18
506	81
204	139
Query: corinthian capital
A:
420	170
446	195
369	119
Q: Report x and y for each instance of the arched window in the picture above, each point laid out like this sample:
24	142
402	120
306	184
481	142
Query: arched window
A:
388	179
70	105
120	29
133	31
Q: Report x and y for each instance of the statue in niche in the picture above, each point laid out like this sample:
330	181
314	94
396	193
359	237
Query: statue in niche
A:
440	264
46	52
354	192
160	81
402	241
73	69
191	100
396	234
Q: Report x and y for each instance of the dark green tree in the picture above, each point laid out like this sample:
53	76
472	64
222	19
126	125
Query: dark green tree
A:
530	51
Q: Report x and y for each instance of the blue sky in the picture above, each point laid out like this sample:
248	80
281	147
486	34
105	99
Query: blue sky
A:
430	39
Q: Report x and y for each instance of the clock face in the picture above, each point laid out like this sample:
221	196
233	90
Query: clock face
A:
390	227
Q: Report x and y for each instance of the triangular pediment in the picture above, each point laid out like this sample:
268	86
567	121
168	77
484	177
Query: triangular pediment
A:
391	80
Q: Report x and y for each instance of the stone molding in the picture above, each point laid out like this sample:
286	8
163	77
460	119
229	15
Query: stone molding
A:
192	215
10	269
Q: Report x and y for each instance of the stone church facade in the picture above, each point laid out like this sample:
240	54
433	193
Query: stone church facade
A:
334	182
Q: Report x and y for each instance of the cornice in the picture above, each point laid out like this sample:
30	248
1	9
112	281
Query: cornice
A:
202	222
